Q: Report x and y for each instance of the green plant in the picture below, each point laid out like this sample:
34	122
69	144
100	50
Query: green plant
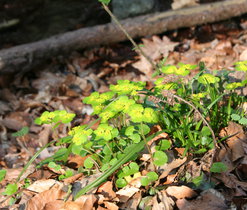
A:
2	174
21	132
218	167
128	111
240	119
191	113
10	189
149	178
68	173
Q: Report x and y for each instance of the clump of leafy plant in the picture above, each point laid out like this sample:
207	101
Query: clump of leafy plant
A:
128	112
191	113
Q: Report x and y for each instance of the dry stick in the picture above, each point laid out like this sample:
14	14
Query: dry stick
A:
128	36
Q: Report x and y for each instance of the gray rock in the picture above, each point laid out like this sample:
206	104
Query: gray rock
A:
128	8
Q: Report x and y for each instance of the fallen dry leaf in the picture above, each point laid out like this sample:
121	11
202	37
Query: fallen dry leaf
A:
17	120
106	190
43	185
133	202
237	138
243	56
155	49
58	204
165	202
40	200
82	203
45	134
76	161
231	181
181	192
208	200
47	79
167	168
110	206
128	191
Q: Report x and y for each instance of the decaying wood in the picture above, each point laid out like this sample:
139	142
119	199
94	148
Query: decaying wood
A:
24	57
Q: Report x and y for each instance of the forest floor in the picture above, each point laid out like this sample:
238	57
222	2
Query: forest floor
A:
62	85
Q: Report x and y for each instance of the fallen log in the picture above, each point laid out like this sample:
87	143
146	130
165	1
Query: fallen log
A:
25	57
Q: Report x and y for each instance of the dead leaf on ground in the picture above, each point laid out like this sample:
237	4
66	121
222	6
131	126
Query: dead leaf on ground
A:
76	161
241	169
72	179
180	192
133	202
128	191
156	49
82	203
167	168
106	190
237	139
43	185
224	155
46	80
165	202
45	134
208	200
41	174
17	120
232	182
243	55
40	200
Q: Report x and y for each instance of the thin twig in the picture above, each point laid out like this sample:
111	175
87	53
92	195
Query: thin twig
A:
128	36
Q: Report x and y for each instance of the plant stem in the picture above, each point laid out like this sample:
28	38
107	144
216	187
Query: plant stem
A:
147	146
32	159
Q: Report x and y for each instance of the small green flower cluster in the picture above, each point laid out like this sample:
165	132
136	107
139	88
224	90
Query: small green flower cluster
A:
182	70
58	116
122	100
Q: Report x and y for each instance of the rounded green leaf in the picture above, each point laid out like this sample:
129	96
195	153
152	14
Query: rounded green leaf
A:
88	163
241	66
160	158
106	132
234	85
129	130
135	137
120	183
145	181
206	131
144	128
164	144
10	189
218	167
235	117
243	121
169	69
198	96
152	176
